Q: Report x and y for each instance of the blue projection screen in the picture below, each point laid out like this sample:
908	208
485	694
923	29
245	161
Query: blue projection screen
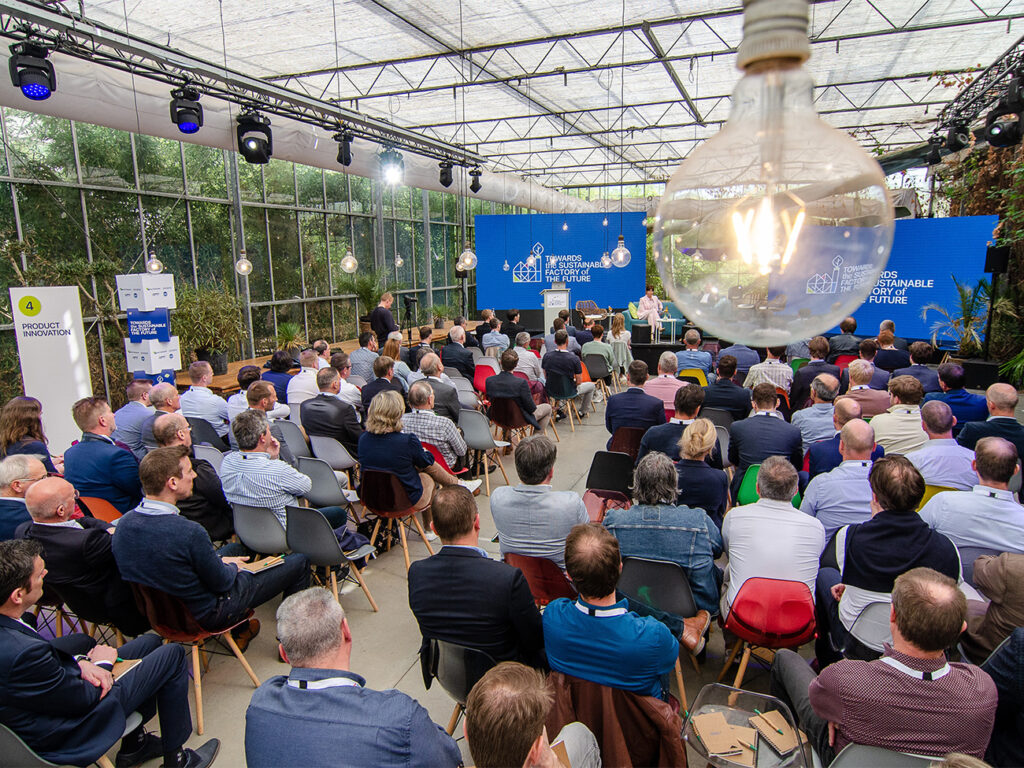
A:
567	248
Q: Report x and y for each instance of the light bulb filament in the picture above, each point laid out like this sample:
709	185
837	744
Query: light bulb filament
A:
757	233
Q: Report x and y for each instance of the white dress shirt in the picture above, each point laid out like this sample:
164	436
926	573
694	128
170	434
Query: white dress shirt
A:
943	461
201	403
303	386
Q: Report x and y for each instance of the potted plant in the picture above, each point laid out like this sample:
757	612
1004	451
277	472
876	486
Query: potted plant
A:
440	313
291	338
208	321
367	285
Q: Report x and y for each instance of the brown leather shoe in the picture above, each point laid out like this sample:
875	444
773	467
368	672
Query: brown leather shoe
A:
247	632
693	631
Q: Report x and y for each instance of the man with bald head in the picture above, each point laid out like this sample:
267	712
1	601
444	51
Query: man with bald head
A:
1001	400
18	472
455	355
165	399
79	558
872	401
824	456
941	461
987	515
815	423
207	504
843	496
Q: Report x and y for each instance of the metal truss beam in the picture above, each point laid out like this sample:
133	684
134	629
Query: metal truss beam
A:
982	93
659	51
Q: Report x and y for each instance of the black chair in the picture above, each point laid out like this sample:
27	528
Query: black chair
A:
611	471
598	368
204	434
457	668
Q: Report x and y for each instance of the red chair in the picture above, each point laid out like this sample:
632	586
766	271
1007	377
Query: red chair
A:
382	494
480	376
768	613
546	580
627	440
670	413
99	508
439	458
843	361
506	413
537	345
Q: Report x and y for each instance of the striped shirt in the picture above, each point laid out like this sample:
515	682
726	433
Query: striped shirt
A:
439	431
255	479
772	371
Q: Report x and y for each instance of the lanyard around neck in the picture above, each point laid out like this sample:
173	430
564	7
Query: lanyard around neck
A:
895	664
318	685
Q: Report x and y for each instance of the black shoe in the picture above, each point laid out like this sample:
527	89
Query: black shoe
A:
200	758
560	416
151	747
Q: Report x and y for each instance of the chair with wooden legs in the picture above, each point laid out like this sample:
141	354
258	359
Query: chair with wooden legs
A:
599	370
457	668
508	416
382	494
173	621
562	389
477	431
99	508
15	752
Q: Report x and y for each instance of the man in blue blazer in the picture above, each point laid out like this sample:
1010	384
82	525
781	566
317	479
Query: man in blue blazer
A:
921	353
455	355
506	385
97	467
725	394
800	390
965	406
764	434
68	708
664	438
634	407
1002	403
18	473
823	456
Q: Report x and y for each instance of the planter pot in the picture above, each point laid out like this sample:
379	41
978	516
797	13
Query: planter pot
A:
364	324
217	360
439	324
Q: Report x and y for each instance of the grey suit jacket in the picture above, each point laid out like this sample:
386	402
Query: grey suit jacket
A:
446	400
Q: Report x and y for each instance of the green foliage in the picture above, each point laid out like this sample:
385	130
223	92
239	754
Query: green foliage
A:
965	322
443	312
290	337
367	285
207	318
1013	369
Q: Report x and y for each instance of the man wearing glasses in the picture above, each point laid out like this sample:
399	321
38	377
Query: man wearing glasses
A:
18	473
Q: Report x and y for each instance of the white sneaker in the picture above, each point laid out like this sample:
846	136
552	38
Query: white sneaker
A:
431	536
472	485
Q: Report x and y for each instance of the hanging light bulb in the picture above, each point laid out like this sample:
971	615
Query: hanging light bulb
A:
243	266
797	210
531	260
565	226
606	260
604	222
399	261
153	265
348	262
620	256
467	259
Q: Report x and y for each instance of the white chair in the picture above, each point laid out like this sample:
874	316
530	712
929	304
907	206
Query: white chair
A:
293	436
468	400
357	381
861	756
871	627
295	413
333	452
477	431
212	455
476	352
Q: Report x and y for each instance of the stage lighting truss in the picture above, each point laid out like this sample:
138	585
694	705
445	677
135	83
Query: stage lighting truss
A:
445	177
475	173
255	141
344	139
392	166
934	156
186	111
31	72
959	137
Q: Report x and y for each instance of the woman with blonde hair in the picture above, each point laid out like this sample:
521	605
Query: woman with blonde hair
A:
393	349
384	447
699	484
21	431
621	343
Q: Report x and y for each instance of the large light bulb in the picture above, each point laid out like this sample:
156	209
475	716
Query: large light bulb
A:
467	259
621	255
153	265
243	266
778	226
606	261
399	261
349	263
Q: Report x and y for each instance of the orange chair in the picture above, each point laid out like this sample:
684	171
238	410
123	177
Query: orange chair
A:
546	580
382	494
768	613
627	440
99	508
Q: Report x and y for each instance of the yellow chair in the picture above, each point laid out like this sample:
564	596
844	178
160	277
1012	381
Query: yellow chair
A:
931	490
695	373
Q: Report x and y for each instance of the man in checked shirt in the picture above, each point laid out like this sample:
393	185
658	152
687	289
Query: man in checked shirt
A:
439	431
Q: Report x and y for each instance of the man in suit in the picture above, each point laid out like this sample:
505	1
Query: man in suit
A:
417	352
764	434
726	394
462	596
513	388
920	354
966	407
165	399
879	378
321	710
665	437
68	708
18	473
384	371
634	407
446	398
824	455
800	392
455	355
97	467
872	401
746	358
844	343
327	415
80	557
262	396
207	505
511	326
1001	400
481	328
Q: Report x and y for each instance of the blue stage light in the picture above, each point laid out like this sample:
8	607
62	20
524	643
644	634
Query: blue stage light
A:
31	72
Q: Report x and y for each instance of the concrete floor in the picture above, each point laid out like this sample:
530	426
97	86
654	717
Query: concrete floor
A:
386	643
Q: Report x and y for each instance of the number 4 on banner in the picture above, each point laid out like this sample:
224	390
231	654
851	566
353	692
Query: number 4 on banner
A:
29	306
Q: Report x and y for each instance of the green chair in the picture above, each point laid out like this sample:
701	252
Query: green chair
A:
748	494
798	362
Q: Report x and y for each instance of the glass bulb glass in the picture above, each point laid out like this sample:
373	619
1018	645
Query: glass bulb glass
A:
565	226
399	261
606	261
604	222
777	227
349	263
153	265
467	259
243	266
531	260
620	256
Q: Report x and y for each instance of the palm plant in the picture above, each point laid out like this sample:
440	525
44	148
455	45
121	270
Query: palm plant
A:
965	322
290	337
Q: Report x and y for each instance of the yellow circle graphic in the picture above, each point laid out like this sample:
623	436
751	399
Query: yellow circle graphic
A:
29	305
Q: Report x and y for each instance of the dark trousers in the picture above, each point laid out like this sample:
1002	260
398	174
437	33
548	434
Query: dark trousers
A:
832	635
157	685
790	680
232	607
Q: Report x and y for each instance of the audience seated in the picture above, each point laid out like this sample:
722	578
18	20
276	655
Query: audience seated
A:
256	475
764	434
665	385
889	325
844	343
700	484
431	428
461	596
303	384
879	378
511	327
898	430
1006	668
278	373
1001	401
97	467
910	700
1000	578
505	715
746	358
199	402
494	337
941	461
843	495
726	394
59	695
384	379
596	637
426	333
165	399
79	557
585	335
330	415
966	407
346	390
657	527
455	355
598	346
920	354
475	339
157	547
21	432
237	403
446	398
987	515
18	473
772	370
561	361
771	539
261	396
532	519
823	456
322	714
393	348
816	423
362	359
872	401
323	353
551	344
506	385
889	358
207	505
634	407
131	415
800	390
528	363
863	560
665	437
692	356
